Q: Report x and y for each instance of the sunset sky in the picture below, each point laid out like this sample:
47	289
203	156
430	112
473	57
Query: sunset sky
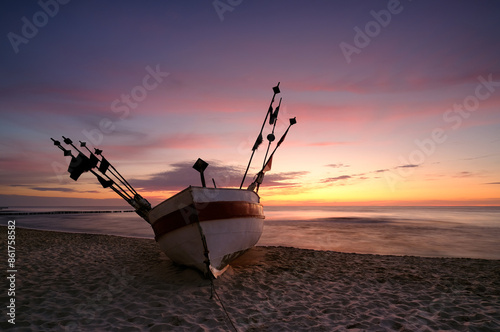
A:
397	102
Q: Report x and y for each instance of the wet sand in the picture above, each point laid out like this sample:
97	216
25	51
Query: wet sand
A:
82	282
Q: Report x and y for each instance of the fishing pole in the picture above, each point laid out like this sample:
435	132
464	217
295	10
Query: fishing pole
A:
273	120
58	144
292	122
126	198
259	139
106	184
70	142
260	176
118	175
82	163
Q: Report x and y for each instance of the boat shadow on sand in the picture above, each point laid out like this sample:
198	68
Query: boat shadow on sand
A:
165	270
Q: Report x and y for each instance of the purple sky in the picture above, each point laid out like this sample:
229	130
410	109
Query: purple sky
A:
390	97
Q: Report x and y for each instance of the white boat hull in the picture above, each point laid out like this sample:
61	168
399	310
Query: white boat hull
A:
208	223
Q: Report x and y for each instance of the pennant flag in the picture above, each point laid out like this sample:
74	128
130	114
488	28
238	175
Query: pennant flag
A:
292	122
274	116
270	113
257	142
78	165
276	89
74	169
104	183
268	165
282	138
93	161
104	165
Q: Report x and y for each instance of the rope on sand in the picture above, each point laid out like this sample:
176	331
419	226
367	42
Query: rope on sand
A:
213	291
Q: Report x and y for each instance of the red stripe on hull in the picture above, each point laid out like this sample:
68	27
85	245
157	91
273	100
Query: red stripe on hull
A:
206	212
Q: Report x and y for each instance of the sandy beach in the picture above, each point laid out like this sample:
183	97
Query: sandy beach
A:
82	282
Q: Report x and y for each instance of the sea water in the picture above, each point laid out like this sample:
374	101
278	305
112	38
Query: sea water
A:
459	231
471	232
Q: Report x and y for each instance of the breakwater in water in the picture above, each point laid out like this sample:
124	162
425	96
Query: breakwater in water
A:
23	213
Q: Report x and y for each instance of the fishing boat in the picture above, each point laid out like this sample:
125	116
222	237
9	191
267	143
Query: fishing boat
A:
200	227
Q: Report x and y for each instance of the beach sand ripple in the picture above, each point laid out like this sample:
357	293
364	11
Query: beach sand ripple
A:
81	282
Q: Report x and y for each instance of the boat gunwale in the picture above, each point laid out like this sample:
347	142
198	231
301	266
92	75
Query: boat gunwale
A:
190	188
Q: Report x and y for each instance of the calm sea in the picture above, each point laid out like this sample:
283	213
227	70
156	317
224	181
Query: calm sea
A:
472	232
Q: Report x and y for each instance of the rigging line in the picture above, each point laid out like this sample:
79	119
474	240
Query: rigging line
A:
119	176
68	141
123	190
123	194
83	144
125	182
222	304
210	275
205	250
119	193
119	187
128	186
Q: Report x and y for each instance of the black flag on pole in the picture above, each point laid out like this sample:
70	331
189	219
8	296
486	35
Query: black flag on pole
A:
93	160
282	138
270	114
276	89
274	115
103	167
258	141
78	165
104	183
292	122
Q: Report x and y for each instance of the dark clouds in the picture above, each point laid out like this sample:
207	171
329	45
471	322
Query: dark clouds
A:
182	174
